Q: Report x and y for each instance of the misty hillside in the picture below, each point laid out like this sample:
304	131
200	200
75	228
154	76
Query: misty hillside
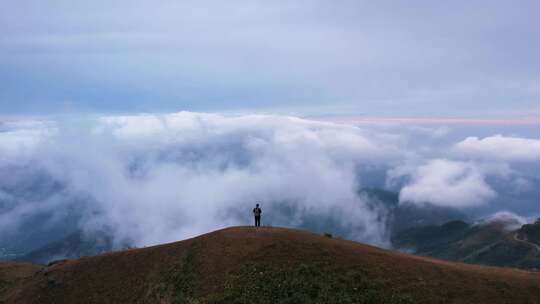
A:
266	265
406	215
75	245
26	229
494	243
395	217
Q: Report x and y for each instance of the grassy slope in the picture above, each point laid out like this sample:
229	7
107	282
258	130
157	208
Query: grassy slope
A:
13	274
270	265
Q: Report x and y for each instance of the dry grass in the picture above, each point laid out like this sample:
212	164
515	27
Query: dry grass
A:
201	269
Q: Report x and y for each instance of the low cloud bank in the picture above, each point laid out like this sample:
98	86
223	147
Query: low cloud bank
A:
158	178
471	173
446	183
150	179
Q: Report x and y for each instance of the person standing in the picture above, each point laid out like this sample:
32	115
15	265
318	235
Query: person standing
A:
257	213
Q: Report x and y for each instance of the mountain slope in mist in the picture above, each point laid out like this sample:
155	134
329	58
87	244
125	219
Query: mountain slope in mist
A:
402	216
396	217
269	265
73	246
497	243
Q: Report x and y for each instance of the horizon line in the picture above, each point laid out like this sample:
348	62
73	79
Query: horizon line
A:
344	119
431	120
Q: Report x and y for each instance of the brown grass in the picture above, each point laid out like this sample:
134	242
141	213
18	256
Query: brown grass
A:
200	267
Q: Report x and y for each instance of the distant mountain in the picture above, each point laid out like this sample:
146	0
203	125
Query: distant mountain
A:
21	189
264	265
73	246
491	243
34	232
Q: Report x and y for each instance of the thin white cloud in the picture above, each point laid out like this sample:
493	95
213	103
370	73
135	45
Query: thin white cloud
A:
501	147
509	220
19	138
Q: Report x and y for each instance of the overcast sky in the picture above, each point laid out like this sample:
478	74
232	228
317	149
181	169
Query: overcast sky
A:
375	58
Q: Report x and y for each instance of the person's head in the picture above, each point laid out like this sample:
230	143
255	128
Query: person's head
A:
257	205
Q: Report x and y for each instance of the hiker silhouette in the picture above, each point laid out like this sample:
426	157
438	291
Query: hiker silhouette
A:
257	213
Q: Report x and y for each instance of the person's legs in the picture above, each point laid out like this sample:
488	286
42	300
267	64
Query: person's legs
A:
257	221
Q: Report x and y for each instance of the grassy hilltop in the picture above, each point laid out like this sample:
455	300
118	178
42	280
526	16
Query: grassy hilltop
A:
265	265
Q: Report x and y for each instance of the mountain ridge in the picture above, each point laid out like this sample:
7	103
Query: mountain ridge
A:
494	243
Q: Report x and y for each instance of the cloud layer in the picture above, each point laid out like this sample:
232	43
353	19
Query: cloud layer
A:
501	147
157	178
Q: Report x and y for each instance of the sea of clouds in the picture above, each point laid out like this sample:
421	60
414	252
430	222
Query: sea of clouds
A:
155	178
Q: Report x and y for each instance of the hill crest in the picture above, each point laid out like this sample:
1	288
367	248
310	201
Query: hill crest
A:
275	265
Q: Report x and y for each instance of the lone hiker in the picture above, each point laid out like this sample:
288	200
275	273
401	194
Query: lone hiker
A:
257	213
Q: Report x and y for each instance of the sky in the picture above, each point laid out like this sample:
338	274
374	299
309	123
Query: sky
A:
465	59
